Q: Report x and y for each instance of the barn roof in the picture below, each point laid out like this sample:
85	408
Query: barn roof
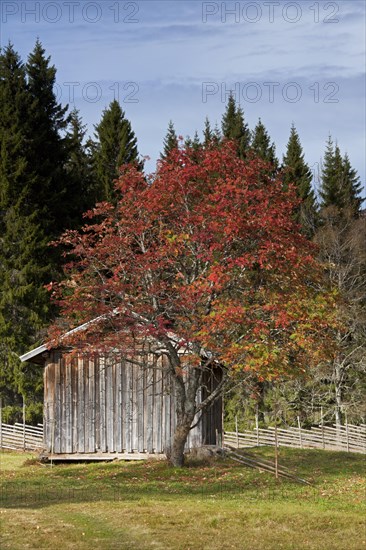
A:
34	353
37	355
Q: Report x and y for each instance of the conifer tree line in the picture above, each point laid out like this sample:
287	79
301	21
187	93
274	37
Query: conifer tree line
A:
51	172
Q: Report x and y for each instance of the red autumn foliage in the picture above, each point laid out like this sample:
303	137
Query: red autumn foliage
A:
209	250
206	250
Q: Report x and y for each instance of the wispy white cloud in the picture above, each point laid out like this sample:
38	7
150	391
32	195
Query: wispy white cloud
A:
173	47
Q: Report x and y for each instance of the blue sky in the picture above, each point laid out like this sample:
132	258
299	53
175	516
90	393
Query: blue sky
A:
287	62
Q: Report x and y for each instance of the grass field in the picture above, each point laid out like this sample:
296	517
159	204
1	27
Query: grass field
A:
150	505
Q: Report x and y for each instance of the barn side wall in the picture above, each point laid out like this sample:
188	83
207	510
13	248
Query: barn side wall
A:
109	405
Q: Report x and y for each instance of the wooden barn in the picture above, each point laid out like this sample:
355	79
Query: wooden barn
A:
105	406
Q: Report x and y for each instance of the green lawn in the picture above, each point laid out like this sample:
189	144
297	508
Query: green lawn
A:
149	505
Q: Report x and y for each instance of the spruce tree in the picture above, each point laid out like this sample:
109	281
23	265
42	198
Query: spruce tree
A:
341	240
235	128
340	185
116	145
170	141
217	137
193	144
352	187
15	181
24	303
15	175
296	171
34	208
330	190
196	144
53	196
79	166
229	120
261	145
208	134
188	142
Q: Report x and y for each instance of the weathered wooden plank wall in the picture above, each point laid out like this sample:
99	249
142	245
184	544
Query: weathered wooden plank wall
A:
108	405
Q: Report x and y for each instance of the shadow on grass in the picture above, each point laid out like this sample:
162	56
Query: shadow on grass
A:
27	495
32	486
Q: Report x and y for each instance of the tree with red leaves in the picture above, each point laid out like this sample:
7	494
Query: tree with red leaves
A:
206	259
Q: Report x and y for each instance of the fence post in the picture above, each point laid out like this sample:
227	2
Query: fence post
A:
23	423
322	425
276	449
300	435
237	433
347	434
257	426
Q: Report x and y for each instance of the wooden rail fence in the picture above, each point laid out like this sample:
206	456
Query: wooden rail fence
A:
21	437
348	438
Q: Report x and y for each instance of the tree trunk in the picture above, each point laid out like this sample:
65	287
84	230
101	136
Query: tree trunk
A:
179	441
261	408
185	395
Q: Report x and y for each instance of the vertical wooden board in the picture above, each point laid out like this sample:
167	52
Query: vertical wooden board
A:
135	407
46	413
145	380
49	406
195	436
125	383
162	413
134	433
172	414
123	405
150	406
219	405
68	406
97	400
91	404
167	407
86	403
108	420
46	408
113	405
157	405
163	410
57	425
46	424
118	418
81	407
102	394
74	398
127	422
63	406
116	398
131	408
140	409
209	435
152	366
